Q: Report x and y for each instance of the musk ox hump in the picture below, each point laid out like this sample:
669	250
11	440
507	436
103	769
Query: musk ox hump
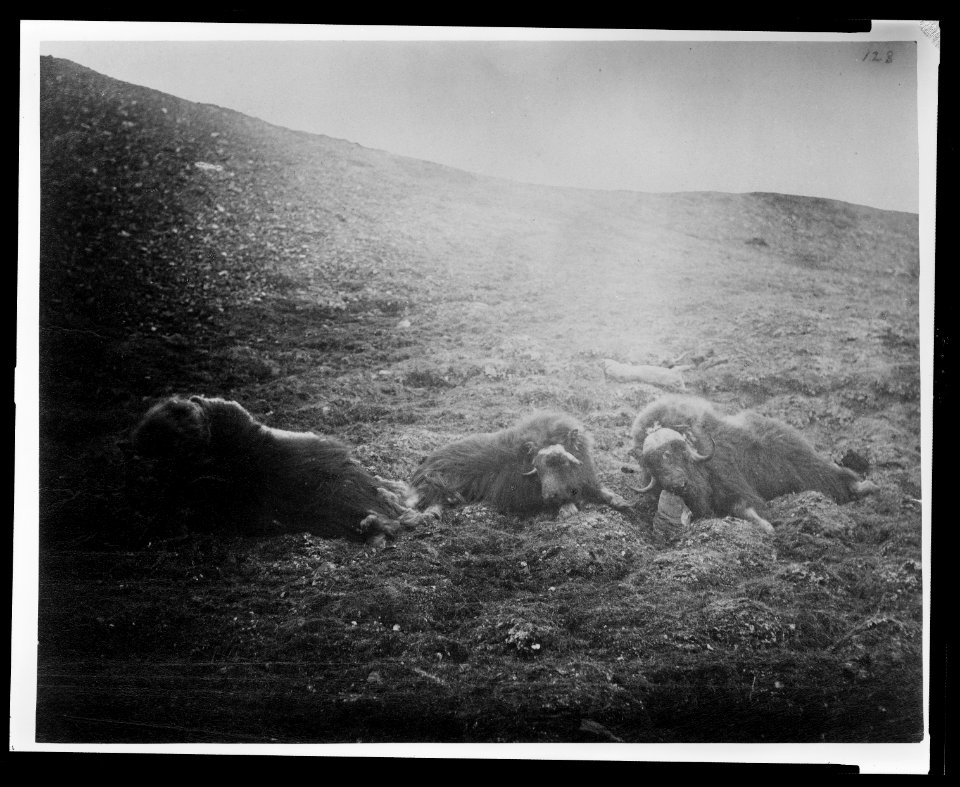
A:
671	411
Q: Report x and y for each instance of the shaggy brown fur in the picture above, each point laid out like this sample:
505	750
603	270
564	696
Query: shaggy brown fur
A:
744	460
678	412
542	463
246	475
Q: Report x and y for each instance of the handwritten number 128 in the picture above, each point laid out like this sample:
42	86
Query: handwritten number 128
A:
876	57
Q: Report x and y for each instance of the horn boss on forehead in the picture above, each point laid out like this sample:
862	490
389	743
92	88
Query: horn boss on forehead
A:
659	438
555	455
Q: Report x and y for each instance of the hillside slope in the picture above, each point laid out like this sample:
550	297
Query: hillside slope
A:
399	304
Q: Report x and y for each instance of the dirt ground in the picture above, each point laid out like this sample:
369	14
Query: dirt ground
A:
400	304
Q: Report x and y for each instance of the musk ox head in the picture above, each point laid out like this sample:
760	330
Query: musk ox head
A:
173	428
673	462
559	471
193	428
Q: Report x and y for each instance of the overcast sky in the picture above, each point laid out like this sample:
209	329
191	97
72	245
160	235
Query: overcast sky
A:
812	118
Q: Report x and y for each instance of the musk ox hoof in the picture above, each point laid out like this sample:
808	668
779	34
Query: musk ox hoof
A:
567	510
762	523
410	519
614	500
377	528
864	488
399	488
391	501
749	513
434	512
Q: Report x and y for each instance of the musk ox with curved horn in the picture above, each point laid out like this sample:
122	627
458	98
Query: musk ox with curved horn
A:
733	464
216	454
541	463
680	412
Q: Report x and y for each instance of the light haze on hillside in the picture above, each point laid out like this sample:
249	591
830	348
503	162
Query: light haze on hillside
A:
817	118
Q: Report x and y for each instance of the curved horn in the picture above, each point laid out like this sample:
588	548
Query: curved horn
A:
694	453
530	472
647	488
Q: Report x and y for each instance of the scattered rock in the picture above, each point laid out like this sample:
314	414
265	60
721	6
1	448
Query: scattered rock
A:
653	375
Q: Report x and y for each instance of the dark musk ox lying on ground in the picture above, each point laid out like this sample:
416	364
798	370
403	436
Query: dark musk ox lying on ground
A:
732	464
217	458
541	463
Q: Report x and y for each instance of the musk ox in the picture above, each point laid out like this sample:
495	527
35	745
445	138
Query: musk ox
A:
680	412
732	464
215	456
541	463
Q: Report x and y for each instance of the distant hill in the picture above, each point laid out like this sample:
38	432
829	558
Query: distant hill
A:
193	205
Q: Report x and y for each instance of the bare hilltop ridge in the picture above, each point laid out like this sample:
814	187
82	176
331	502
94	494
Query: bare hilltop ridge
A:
399	304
